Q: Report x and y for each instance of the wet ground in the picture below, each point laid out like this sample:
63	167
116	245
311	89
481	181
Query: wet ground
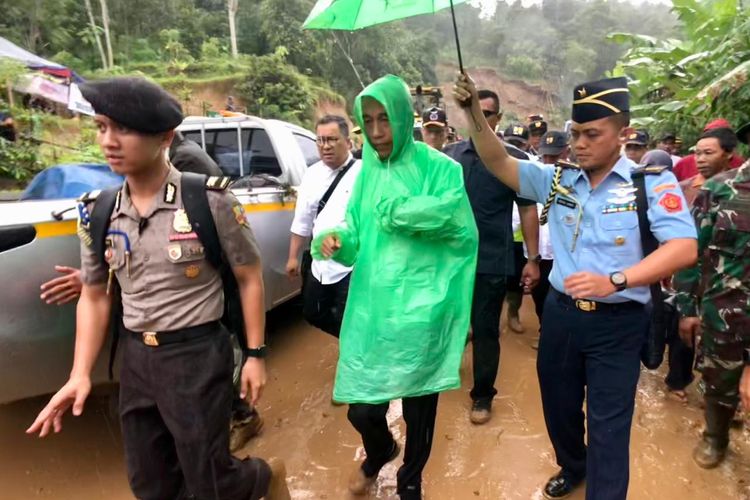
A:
508	458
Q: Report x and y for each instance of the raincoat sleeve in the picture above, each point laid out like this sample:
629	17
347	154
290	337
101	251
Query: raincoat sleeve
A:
687	282
433	215
348	234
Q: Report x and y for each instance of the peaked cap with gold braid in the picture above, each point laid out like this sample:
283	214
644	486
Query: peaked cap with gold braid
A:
596	100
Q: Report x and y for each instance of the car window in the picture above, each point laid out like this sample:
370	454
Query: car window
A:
309	149
258	155
194	136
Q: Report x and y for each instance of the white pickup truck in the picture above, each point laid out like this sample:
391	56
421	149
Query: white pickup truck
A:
266	157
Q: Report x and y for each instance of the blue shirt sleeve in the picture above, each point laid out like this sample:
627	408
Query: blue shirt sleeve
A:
535	180
668	211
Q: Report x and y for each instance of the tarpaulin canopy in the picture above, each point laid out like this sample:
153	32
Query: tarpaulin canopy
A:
70	181
12	51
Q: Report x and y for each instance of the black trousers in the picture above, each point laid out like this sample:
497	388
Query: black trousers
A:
540	291
370	422
175	403
489	293
596	355
323	305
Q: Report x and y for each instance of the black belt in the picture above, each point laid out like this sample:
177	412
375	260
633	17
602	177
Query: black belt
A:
593	306
156	339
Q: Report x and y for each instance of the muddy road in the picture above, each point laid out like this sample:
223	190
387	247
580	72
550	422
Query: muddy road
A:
509	458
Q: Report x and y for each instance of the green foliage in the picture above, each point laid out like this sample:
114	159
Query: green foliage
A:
19	160
680	85
523	67
211	49
275	89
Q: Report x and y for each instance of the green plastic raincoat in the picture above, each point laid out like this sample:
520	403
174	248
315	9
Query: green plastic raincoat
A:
411	231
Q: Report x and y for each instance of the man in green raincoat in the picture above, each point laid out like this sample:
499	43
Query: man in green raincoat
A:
411	232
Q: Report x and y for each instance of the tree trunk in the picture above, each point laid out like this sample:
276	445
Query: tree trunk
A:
105	23
95	30
232	6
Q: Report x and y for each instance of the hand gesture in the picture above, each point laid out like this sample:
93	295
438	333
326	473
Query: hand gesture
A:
584	284
252	380
464	91
292	267
63	289
74	394
330	246
690	327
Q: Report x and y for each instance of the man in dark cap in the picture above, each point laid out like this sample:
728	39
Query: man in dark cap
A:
434	128
517	134
636	145
176	371
596	316
537	128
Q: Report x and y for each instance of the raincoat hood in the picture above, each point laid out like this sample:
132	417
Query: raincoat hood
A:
393	93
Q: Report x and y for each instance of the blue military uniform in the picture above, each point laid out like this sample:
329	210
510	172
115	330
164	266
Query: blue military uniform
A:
591	348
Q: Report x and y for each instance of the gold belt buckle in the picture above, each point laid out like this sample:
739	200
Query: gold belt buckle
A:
149	338
585	305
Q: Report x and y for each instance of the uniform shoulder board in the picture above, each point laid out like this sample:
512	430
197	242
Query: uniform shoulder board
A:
215	183
651	170
89	197
567	164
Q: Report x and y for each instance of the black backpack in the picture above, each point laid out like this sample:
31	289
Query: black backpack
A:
193	190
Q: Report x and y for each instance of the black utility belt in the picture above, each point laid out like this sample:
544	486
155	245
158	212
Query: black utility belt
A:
156	339
593	306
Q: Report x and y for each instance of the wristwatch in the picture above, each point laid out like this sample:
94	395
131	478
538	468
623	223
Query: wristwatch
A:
257	352
619	280
536	258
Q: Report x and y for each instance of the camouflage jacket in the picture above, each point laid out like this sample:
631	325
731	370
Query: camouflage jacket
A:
717	288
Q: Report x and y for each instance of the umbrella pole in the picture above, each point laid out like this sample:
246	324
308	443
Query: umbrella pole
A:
458	44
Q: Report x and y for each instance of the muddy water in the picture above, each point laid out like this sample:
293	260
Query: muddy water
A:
509	458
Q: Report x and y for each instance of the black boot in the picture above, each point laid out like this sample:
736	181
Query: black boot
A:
711	450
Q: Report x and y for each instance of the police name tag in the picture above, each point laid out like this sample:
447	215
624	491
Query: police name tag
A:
565	202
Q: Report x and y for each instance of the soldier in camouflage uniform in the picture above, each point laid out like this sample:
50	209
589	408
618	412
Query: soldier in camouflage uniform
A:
714	298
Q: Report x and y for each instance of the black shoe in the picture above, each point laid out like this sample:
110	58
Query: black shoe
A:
559	487
481	411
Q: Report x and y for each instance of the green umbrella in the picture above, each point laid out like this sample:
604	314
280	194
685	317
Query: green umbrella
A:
357	14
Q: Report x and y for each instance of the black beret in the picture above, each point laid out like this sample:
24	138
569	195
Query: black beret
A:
135	103
600	99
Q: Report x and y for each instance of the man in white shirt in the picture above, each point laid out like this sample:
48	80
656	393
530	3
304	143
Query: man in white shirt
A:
322	205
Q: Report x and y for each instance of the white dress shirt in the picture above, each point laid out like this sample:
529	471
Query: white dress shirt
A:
318	178
545	244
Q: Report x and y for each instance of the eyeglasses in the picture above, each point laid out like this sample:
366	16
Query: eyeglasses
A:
327	141
489	114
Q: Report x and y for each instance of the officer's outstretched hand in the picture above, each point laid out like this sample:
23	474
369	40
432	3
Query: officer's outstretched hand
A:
689	328
63	289
587	285
74	394
464	90
330	245
253	380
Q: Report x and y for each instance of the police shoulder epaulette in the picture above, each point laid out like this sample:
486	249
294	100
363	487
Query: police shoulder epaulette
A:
650	170
567	164
89	197
216	183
